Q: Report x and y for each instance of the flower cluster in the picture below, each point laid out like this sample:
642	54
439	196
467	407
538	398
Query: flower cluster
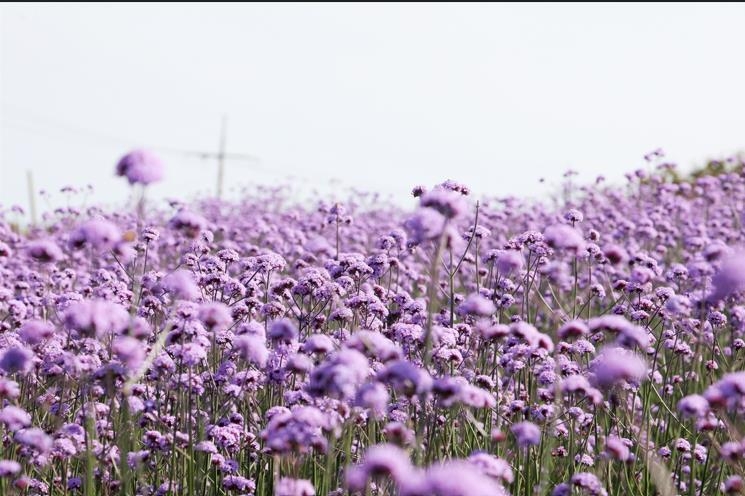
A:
469	348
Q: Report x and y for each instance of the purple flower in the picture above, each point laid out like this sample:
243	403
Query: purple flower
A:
206	447
45	251
589	483
189	223
14	418
573	329
96	318
373	396
140	167
453	478
509	262
17	360
449	204
252	348
318	343
339	375
374	345
617	449
33	332
693	405
300	430
381	460
493	467
34	438
283	330
130	351
9	468
99	234
733	485
616	365
406	378
180	283
726	391
527	434
562	236
426	224
730	278
477	305
294	487
215	316
237	483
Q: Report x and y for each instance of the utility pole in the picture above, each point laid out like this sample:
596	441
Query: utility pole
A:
221	156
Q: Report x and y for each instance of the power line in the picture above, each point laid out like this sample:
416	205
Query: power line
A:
36	119
32	122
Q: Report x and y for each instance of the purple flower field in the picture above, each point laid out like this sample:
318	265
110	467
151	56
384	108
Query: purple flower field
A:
458	348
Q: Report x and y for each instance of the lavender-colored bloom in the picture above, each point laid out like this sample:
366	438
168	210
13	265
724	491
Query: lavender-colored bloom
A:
728	390
449	204
730	278
96	318
374	345
130	351
215	316
426	224
189	223
318	343
527	434
14	418
180	283
252	348
733	485
406	378
17	360
33	332
493	466
562	236
573	215
283	330
9	468
477	305
299	363
573	329
45	251
294	487
381	460
453	478
373	396
339	375
140	167
509	262
300	430
617	449
617	365
562	489
34	438
693	405
99	234
589	483
238	483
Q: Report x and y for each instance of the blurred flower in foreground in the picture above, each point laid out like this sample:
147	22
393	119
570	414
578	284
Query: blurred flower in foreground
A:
140	167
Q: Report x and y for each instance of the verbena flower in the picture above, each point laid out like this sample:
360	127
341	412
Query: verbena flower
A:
294	487
526	433
140	167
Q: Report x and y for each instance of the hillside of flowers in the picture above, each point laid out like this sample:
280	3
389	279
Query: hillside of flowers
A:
456	348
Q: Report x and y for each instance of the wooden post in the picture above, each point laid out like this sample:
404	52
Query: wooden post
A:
31	196
221	157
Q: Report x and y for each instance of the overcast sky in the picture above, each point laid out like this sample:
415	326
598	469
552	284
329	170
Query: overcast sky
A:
382	97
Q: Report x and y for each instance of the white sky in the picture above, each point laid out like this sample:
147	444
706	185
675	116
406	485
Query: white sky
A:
381	97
